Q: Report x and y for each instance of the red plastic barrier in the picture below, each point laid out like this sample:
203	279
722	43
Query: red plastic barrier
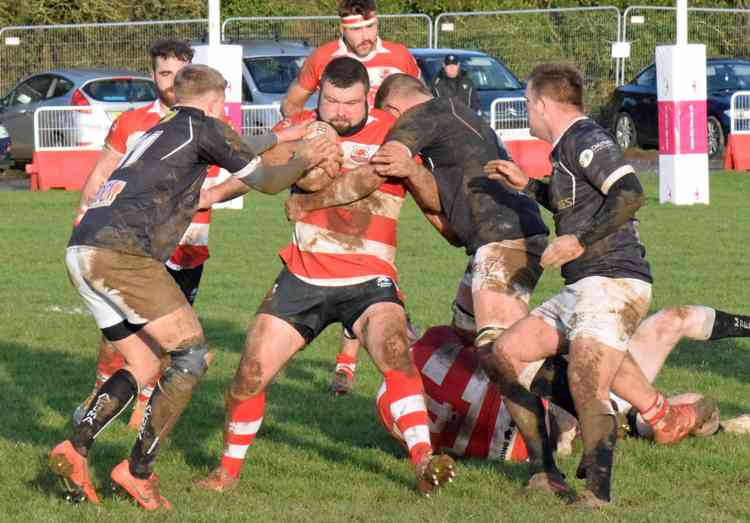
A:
531	155
737	153
65	170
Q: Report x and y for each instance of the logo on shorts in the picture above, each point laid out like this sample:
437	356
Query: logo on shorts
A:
585	158
107	193
384	282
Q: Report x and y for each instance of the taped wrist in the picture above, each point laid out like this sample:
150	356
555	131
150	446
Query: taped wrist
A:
488	334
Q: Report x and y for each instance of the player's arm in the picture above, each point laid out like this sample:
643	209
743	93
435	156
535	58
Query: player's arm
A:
295	99
395	159
441	224
357	184
512	175
105	166
623	199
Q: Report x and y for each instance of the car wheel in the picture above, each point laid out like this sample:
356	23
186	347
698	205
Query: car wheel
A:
625	132
715	137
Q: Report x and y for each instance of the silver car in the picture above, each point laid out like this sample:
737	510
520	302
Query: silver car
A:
107	92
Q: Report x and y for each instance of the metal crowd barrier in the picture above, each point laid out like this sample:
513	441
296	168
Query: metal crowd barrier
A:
257	119
71	128
509	118
739	112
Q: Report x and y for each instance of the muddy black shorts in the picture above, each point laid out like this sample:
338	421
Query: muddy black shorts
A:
311	308
188	280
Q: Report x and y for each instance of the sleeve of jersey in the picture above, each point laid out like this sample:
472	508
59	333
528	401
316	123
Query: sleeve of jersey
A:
309	75
601	161
219	144
117	136
415	128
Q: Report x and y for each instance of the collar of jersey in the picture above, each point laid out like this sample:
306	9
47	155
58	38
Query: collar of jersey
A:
344	51
157	108
575	121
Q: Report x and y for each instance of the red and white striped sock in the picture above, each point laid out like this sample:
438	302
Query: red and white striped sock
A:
243	422
148	390
404	397
109	361
346	364
657	412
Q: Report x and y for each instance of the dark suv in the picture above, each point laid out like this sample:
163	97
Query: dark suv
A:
632	111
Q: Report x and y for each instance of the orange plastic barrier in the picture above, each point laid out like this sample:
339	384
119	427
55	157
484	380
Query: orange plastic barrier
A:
737	153
65	170
531	155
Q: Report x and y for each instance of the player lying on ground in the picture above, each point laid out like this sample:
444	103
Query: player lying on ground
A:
468	417
339	268
115	259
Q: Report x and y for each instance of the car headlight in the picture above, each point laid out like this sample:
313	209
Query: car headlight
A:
3	132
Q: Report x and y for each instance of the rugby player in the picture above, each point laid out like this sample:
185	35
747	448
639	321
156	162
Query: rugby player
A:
468	417
359	40
593	194
186	263
115	259
339	268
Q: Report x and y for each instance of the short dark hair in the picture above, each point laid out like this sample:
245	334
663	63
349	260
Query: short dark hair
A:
344	72
562	83
170	49
401	85
357	7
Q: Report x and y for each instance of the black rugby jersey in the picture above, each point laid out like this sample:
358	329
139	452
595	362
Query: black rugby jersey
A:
148	202
456	144
586	162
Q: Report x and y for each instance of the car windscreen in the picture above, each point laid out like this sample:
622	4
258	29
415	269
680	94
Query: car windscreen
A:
121	90
487	73
274	74
728	76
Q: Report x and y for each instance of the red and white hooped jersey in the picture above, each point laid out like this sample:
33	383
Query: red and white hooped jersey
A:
353	243
192	250
466	411
386	59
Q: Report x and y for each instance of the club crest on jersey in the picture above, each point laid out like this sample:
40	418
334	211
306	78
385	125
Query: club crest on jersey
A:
360	154
107	193
585	157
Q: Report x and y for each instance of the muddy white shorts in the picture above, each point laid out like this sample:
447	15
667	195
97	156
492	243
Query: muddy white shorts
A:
604	309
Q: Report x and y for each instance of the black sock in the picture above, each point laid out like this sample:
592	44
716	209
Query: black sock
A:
727	325
114	395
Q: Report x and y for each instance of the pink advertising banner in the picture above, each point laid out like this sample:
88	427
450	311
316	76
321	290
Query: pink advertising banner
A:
682	127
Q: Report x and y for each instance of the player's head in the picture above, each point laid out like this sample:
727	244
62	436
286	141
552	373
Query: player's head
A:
342	101
359	25
167	58
400	92
201	86
551	89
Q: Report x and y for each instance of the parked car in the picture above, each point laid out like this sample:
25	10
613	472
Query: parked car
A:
107	92
5	160
491	77
632	110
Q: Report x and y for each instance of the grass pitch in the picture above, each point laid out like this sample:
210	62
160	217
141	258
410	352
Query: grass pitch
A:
324	459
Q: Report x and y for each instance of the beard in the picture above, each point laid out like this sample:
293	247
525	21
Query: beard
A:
167	96
341	126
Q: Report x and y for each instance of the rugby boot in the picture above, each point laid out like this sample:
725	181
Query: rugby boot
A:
682	420
144	491
218	480
342	383
72	469
433	472
137	416
81	409
551	481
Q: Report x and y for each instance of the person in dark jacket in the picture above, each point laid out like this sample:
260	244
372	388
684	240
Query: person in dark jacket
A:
452	81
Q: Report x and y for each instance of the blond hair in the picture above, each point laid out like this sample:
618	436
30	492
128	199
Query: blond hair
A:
195	81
